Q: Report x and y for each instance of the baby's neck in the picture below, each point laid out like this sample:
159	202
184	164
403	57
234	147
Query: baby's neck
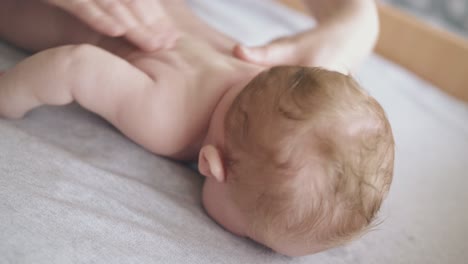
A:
239	77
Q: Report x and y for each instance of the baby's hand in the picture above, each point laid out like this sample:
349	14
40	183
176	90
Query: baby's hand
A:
142	22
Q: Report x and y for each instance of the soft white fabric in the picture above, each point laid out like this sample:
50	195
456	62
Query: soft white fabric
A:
74	190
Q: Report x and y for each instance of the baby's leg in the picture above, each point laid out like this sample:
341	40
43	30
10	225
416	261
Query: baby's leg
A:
35	26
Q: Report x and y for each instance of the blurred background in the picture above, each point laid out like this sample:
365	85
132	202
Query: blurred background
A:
448	14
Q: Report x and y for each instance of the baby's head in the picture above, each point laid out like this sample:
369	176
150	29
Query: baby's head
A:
305	164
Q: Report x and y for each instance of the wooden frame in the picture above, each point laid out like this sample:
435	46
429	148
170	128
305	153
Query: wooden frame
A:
435	55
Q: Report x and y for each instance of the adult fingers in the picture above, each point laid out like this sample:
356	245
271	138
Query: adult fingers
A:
119	12
249	54
146	12
156	30
142	22
278	52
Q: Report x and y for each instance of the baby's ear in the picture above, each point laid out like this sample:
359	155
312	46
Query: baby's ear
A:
210	163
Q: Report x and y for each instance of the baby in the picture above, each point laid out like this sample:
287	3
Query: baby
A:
298	159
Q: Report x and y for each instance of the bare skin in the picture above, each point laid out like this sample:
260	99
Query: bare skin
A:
172	102
54	27
144	23
133	90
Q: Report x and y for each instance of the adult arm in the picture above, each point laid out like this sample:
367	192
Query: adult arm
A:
346	33
143	22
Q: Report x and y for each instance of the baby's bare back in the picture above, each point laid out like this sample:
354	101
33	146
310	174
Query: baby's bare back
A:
190	79
162	100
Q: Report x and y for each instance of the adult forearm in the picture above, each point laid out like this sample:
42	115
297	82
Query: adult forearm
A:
358	15
346	33
353	23
330	10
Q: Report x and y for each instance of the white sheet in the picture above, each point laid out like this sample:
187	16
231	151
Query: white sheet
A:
74	190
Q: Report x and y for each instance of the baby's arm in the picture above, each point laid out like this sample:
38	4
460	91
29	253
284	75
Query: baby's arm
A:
98	80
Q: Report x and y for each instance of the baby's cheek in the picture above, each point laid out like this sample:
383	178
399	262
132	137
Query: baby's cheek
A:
208	197
219	207
213	201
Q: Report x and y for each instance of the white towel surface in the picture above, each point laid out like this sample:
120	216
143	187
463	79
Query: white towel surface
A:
74	190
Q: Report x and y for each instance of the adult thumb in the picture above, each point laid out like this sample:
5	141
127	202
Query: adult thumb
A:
258	55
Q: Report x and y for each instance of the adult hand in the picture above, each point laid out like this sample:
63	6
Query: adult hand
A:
340	42
314	48
142	22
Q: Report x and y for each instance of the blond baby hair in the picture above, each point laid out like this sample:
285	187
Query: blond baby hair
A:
309	157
